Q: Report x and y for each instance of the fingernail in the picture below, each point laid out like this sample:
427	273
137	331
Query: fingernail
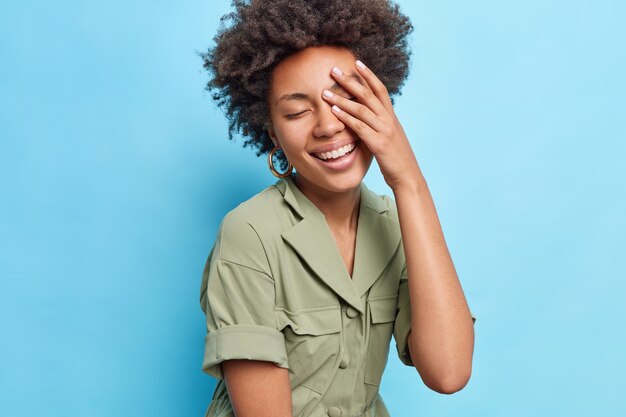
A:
360	64
328	94
337	71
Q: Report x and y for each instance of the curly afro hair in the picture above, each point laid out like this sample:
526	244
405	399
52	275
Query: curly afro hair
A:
264	32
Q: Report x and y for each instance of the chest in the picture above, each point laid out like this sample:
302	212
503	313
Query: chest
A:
346	246
330	339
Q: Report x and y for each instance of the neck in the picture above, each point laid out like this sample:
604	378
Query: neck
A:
341	209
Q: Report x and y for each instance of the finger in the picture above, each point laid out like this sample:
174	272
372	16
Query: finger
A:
375	84
362	129
356	109
358	86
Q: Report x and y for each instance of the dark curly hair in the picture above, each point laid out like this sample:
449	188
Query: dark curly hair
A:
264	32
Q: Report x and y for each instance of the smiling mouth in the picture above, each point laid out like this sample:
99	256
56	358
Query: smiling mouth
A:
336	154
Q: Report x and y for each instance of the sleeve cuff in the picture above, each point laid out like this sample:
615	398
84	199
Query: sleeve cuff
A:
401	334
251	342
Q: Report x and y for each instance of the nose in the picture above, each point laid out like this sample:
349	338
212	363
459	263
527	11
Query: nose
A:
328	124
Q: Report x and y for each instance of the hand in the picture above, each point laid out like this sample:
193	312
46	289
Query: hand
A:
373	119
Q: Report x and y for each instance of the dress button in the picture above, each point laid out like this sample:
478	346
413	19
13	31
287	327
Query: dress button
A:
351	312
343	364
334	412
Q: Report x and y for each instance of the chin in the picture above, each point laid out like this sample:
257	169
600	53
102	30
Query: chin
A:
344	183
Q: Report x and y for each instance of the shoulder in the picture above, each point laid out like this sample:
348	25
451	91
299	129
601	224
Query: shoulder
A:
238	238
260	212
258	209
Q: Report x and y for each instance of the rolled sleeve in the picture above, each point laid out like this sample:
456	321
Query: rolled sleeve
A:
259	343
238	298
402	325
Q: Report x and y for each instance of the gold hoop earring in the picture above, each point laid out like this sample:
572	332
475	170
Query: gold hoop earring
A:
270	162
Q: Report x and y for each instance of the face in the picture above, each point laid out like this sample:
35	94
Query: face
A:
303	124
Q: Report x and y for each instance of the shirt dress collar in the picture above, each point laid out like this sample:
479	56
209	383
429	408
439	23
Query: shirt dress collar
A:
377	241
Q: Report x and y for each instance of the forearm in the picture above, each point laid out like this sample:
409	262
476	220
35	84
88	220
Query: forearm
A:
441	340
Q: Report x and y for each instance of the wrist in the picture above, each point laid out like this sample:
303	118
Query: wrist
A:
410	185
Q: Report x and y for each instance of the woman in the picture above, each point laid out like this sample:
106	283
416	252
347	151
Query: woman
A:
309	279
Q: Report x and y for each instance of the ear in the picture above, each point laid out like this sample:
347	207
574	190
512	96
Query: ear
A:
272	134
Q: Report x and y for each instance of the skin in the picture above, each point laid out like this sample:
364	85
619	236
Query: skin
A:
442	344
314	124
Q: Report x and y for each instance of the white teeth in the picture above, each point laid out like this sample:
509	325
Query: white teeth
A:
335	153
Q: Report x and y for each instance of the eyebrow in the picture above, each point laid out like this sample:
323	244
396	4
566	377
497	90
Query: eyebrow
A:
302	96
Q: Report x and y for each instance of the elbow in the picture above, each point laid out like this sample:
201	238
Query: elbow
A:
449	383
444	374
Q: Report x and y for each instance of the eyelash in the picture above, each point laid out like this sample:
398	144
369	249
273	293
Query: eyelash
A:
293	116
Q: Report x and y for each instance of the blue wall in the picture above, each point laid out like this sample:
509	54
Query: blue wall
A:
116	170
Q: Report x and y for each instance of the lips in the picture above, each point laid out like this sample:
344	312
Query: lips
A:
340	164
334	148
339	157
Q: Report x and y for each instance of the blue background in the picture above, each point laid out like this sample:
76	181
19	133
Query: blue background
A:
116	171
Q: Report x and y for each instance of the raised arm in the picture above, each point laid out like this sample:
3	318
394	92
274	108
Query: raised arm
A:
442	333
441	340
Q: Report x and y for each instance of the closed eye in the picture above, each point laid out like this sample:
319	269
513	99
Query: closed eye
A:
294	115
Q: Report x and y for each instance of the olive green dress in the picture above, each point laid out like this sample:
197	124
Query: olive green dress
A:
275	288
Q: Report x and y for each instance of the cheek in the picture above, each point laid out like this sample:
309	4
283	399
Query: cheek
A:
366	155
294	141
